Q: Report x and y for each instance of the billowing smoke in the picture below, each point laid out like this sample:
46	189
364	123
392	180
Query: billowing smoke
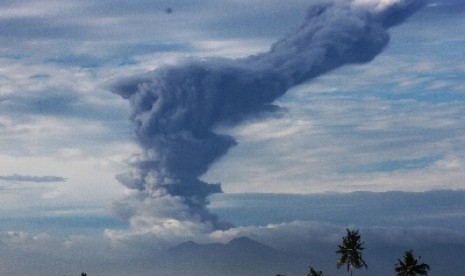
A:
175	109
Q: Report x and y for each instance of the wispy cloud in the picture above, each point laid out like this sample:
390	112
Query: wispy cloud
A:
29	178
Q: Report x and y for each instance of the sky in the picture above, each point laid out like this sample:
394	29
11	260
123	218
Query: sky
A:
128	128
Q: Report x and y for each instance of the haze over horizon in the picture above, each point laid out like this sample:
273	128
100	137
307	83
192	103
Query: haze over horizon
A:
128	130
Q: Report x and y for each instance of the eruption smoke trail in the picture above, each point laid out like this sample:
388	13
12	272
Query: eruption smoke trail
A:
176	108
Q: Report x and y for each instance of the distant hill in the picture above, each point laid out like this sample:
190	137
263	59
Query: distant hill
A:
241	256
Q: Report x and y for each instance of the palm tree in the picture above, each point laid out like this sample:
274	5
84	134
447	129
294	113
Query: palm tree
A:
351	251
410	266
313	272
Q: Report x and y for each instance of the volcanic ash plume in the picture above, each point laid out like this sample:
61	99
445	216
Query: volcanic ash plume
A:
175	109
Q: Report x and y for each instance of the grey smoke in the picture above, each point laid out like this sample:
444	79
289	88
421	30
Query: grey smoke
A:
175	109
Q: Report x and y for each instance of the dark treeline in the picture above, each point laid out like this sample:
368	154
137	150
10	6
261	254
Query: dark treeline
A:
350	253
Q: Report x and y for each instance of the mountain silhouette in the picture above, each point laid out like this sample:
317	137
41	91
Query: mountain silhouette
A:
241	256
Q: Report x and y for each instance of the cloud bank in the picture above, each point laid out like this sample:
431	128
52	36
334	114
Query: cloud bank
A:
176	109
281	248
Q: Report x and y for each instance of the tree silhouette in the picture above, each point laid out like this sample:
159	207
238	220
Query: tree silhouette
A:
351	251
410	266
313	272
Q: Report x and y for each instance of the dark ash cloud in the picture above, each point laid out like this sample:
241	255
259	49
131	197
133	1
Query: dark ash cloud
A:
176	109
28	178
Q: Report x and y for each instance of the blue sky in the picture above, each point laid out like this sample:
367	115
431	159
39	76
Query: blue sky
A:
383	138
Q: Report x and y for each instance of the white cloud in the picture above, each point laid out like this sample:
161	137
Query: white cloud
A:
378	5
25	9
315	147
